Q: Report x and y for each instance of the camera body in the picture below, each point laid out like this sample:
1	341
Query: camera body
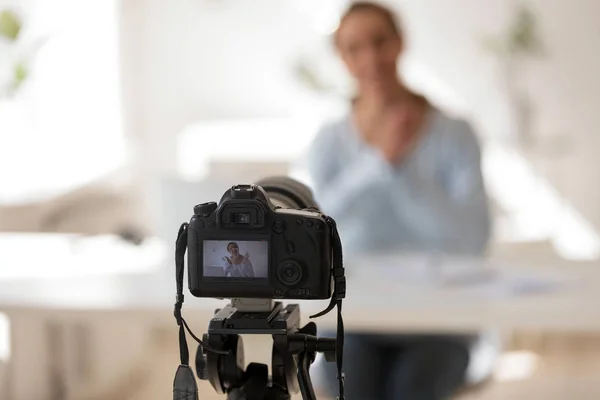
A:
246	247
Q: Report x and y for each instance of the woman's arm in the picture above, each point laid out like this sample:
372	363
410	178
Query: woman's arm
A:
452	216
341	185
227	266
248	268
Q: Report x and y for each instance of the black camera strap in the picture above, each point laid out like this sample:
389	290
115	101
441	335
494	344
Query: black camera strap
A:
339	293
180	246
184	384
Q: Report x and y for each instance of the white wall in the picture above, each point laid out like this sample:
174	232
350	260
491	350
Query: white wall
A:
568	91
63	127
193	60
446	41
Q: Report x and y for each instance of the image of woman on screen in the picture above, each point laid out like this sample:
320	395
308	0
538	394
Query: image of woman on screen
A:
236	265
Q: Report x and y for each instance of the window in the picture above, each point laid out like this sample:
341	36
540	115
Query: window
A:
63	129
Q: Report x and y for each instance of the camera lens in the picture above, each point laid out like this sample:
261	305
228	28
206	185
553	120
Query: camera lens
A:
286	192
241	218
289	272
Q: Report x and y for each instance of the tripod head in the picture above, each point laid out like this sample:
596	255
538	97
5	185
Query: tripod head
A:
293	352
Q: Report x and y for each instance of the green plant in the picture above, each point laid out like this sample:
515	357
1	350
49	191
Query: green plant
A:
12	60
521	37
10	25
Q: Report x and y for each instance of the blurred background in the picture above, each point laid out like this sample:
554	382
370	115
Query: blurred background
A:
117	116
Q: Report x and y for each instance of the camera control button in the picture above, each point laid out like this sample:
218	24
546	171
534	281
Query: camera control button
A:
279	226
291	247
200	223
205	208
289	272
211	224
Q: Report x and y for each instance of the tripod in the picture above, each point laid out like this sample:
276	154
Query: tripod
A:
294	350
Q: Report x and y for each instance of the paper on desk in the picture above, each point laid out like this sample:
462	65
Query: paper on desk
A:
419	269
465	275
509	284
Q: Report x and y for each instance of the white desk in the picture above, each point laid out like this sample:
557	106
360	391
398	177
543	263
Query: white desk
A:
79	307
520	296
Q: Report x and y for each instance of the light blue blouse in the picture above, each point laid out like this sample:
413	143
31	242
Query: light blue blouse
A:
435	201
244	270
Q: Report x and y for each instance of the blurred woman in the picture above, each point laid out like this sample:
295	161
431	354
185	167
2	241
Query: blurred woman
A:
396	173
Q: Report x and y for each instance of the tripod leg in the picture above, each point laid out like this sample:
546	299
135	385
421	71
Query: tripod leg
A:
254	383
306	388
283	365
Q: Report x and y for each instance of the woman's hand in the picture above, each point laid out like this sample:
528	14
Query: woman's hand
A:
394	130
398	131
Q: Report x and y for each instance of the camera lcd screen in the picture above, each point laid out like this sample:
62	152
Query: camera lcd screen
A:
240	259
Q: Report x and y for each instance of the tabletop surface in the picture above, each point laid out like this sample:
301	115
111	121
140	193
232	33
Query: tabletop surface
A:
384	292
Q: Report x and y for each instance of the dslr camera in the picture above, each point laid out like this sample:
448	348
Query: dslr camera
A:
256	245
260	243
